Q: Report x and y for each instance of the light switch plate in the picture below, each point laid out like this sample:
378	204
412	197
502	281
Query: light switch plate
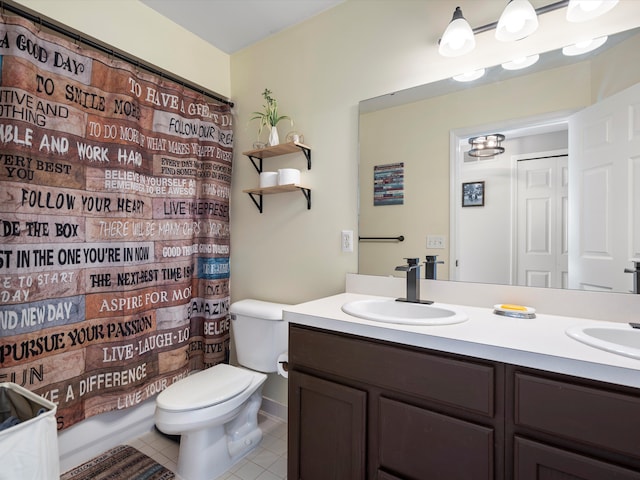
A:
436	241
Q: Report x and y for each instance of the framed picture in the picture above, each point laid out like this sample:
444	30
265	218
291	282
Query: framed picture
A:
473	194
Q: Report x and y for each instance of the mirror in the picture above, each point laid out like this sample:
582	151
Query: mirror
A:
426	131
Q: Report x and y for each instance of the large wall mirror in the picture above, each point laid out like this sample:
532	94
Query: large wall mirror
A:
580	229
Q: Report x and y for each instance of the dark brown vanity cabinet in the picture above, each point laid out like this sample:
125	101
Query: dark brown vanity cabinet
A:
365	409
562	427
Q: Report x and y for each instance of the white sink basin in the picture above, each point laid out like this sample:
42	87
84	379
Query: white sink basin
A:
615	338
389	311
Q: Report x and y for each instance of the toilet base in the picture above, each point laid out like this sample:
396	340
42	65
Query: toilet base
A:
208	453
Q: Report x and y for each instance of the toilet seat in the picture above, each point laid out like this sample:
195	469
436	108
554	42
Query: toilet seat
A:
208	387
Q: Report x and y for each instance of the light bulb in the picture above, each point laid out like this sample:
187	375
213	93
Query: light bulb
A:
583	10
458	37
518	20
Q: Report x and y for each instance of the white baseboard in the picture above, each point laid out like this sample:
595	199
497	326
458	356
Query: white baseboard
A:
275	409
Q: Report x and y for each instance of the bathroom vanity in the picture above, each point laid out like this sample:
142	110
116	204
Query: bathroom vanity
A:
490	398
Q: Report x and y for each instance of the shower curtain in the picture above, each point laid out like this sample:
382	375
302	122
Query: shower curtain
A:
114	225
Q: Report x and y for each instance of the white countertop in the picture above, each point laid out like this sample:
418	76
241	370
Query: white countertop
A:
537	343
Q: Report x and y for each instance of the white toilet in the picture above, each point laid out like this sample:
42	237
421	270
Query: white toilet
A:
216	410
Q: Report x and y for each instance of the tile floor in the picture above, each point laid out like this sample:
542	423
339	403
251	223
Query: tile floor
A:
267	462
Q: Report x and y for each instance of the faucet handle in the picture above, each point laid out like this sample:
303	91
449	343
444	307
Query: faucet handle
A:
412	261
636	267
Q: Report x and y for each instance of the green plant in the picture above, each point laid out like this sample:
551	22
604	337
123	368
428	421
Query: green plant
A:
270	115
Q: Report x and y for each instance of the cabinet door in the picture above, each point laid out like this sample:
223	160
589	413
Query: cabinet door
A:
327	429
536	461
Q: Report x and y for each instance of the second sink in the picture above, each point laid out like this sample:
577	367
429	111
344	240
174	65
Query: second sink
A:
621	338
389	311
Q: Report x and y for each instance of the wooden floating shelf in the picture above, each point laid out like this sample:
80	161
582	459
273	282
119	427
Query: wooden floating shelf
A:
256	156
275	189
276	150
257	193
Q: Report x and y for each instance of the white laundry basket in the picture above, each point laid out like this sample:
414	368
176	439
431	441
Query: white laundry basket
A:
29	448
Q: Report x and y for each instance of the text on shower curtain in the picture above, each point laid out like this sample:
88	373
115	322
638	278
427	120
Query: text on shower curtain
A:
114	225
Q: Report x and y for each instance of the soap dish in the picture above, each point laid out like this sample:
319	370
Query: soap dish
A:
514	311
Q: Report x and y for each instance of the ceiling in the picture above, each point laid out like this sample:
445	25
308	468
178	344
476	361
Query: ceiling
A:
231	25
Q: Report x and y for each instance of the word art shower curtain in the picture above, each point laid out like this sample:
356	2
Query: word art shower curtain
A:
114	233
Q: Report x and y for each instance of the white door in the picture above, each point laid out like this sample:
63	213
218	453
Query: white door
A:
541	238
604	203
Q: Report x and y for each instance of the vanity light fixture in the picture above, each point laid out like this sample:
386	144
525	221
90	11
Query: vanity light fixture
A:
581	48
520	63
458	38
486	145
518	20
469	76
583	10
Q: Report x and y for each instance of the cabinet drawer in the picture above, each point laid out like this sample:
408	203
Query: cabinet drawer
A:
536	461
460	383
591	416
418	443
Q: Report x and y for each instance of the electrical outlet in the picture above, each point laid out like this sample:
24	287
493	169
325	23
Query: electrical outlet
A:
346	239
436	241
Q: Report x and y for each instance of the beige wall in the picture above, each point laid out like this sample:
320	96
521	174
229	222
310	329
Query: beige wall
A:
319	71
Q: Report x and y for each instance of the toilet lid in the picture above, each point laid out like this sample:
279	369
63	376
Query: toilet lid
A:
205	388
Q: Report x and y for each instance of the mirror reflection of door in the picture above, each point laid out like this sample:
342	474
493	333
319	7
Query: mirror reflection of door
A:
541	218
563	219
502	242
604	142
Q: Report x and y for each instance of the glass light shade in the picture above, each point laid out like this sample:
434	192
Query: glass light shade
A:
518	20
583	10
458	38
469	76
520	63
584	47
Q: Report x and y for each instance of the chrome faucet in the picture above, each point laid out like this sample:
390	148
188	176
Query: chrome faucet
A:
413	281
636	275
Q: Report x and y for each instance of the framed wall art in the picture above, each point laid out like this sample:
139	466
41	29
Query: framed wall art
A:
473	194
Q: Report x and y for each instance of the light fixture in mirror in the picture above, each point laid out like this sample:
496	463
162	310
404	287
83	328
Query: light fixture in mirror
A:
458	38
581	48
518	20
583	10
469	76
486	145
520	63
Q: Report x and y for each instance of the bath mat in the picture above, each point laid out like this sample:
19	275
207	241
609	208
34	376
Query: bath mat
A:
121	462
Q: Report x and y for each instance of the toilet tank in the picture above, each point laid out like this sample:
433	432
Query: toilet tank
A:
259	333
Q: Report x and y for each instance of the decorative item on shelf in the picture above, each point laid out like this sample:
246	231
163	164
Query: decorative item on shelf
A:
268	179
288	176
294	137
259	145
269	117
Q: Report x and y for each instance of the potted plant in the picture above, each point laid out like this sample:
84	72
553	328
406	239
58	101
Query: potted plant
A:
269	117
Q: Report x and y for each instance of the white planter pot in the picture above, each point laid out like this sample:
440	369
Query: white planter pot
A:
273	136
